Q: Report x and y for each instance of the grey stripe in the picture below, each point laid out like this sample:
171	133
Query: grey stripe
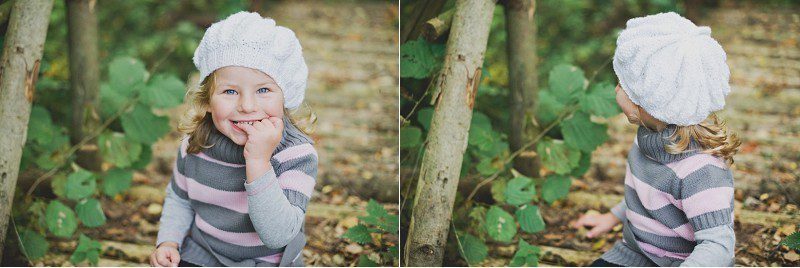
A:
669	215
180	161
712	219
307	164
234	252
214	175
296	198
706	178
223	218
622	255
672	244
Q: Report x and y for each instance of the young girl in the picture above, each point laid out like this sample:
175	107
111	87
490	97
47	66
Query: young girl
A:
678	205
244	173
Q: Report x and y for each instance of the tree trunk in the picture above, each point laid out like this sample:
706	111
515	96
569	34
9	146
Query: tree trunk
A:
84	79
22	51
522	80
447	139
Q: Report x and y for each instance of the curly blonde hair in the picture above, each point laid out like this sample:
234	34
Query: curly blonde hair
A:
197	123
712	135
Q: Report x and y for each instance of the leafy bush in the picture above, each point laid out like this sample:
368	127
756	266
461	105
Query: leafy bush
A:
373	229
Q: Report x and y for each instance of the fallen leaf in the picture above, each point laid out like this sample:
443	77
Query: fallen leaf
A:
354	249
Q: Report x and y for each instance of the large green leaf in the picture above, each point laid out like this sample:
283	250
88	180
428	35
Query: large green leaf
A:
142	126
424	117
481	134
485	167
526	255
80	184
473	249
600	100
163	91
144	158
566	82
126	75
116	181
111	101
530	220
40	126
555	187
118	150
583	165
60	219
500	225
420	59
548	108
91	213
410	137
87	249
520	190
33	245
378	216
581	133
359	234
557	156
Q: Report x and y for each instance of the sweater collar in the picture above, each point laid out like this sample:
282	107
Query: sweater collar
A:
652	144
224	149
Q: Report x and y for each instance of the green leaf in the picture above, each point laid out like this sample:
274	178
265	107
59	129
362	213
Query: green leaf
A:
555	187
520	190
566	82
481	134
33	244
378	216
116	181
530	219
143	126
581	133
126	75
91	213
395	252
420	59
499	190
359	234
164	91
485	167
792	241
601	100
60	219
364	261
117	149
477	217
583	165
500	225
424	117
87	249
410	137
111	101
473	249
80	184
144	158
40	125
548	108
557	157
526	255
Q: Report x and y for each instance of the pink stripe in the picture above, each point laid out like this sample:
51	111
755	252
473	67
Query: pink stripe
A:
650	197
209	159
691	164
708	200
184	146
250	239
274	258
236	201
180	180
298	181
660	252
655	227
295	152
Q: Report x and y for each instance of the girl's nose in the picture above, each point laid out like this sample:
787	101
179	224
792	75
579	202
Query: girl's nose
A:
246	104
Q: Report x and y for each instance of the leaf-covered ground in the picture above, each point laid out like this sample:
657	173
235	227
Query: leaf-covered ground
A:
351	50
764	109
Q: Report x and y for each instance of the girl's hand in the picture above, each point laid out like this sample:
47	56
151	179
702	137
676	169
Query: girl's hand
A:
166	255
601	223
262	138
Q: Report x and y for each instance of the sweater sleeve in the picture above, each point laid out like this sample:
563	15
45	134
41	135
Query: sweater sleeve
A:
707	200
619	210
277	200
177	215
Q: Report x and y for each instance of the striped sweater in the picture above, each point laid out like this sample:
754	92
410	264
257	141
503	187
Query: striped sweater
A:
678	208
220	220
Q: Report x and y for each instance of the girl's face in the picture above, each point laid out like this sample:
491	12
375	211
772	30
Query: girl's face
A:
635	114
243	95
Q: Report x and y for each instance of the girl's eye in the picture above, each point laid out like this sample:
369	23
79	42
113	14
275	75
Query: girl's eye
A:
263	90
229	91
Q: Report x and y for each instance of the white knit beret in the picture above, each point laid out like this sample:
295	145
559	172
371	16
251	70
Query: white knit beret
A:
672	68
246	39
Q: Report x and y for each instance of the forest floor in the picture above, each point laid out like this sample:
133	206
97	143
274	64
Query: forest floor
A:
763	47
351	50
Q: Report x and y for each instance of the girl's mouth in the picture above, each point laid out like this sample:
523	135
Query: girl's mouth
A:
237	124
